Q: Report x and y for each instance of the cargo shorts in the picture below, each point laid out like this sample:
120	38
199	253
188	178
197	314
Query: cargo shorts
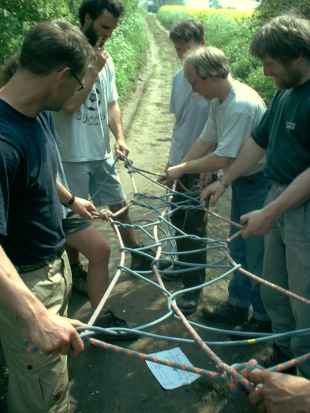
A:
38	382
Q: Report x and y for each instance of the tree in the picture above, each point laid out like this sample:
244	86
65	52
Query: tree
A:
271	8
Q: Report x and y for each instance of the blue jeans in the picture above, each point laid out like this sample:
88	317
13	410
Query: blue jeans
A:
248	193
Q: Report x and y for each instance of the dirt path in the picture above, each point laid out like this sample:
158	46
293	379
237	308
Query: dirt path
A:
109	382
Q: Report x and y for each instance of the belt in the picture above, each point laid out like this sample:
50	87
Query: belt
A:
23	268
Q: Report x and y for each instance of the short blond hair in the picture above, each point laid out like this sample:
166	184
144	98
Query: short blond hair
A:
208	62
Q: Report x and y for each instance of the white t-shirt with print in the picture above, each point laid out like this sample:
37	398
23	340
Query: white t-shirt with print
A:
84	135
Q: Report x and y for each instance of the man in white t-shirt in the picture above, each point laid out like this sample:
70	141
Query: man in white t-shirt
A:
83	128
191	113
234	110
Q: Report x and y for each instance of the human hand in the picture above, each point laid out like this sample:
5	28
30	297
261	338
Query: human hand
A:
101	56
213	191
174	172
84	208
51	333
279	393
121	149
257	222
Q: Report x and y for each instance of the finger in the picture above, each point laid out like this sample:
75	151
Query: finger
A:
244	219
257	395
77	344
98	43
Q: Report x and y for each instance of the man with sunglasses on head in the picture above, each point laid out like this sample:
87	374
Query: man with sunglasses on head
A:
35	278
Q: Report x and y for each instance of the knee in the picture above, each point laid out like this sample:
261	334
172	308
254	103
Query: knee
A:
99	252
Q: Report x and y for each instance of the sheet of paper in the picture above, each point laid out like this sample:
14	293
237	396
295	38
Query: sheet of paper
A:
170	378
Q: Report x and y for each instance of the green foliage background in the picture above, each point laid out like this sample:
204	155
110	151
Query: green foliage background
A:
127	46
232	32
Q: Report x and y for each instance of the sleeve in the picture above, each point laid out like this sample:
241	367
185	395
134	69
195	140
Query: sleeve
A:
112	88
235	131
9	164
261	133
209	132
172	108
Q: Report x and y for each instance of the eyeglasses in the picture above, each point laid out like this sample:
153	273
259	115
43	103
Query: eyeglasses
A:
78	80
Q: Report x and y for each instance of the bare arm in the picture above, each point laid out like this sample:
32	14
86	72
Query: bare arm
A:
116	126
260	222
198	150
46	331
249	155
208	163
80	206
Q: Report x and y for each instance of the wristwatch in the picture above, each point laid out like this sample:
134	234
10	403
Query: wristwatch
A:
70	202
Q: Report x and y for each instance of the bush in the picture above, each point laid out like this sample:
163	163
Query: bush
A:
127	45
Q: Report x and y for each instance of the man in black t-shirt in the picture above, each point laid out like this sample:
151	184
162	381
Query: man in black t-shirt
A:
34	279
283	45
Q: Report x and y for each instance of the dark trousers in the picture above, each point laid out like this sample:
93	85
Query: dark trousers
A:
191	221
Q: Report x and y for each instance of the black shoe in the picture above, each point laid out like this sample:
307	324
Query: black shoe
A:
226	313
252	325
278	356
140	262
188	306
108	320
79	279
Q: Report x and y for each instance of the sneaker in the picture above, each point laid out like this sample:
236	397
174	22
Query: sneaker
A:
278	356
226	313
253	325
79	279
108	320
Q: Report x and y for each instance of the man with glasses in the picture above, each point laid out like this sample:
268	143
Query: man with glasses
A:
35	279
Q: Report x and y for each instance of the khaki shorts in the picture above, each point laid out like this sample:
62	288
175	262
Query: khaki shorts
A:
38	383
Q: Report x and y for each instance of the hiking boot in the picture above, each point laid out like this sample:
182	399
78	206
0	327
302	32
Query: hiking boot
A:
252	325
109	320
278	356
79	279
226	313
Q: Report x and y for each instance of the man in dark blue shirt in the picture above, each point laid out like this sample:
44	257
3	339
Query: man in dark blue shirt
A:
34	279
283	45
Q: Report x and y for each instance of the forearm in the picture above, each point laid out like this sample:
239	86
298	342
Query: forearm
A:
198	150
15	295
115	121
208	163
64	195
248	157
74	103
295	194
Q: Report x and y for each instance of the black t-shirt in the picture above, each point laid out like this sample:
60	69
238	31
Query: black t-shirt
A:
284	132
30	211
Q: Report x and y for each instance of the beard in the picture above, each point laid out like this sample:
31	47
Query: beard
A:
91	35
292	78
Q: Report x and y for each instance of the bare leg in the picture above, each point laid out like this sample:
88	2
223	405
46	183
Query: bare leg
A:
91	244
73	255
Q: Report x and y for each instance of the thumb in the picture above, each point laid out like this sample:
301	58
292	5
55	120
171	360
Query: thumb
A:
244	219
